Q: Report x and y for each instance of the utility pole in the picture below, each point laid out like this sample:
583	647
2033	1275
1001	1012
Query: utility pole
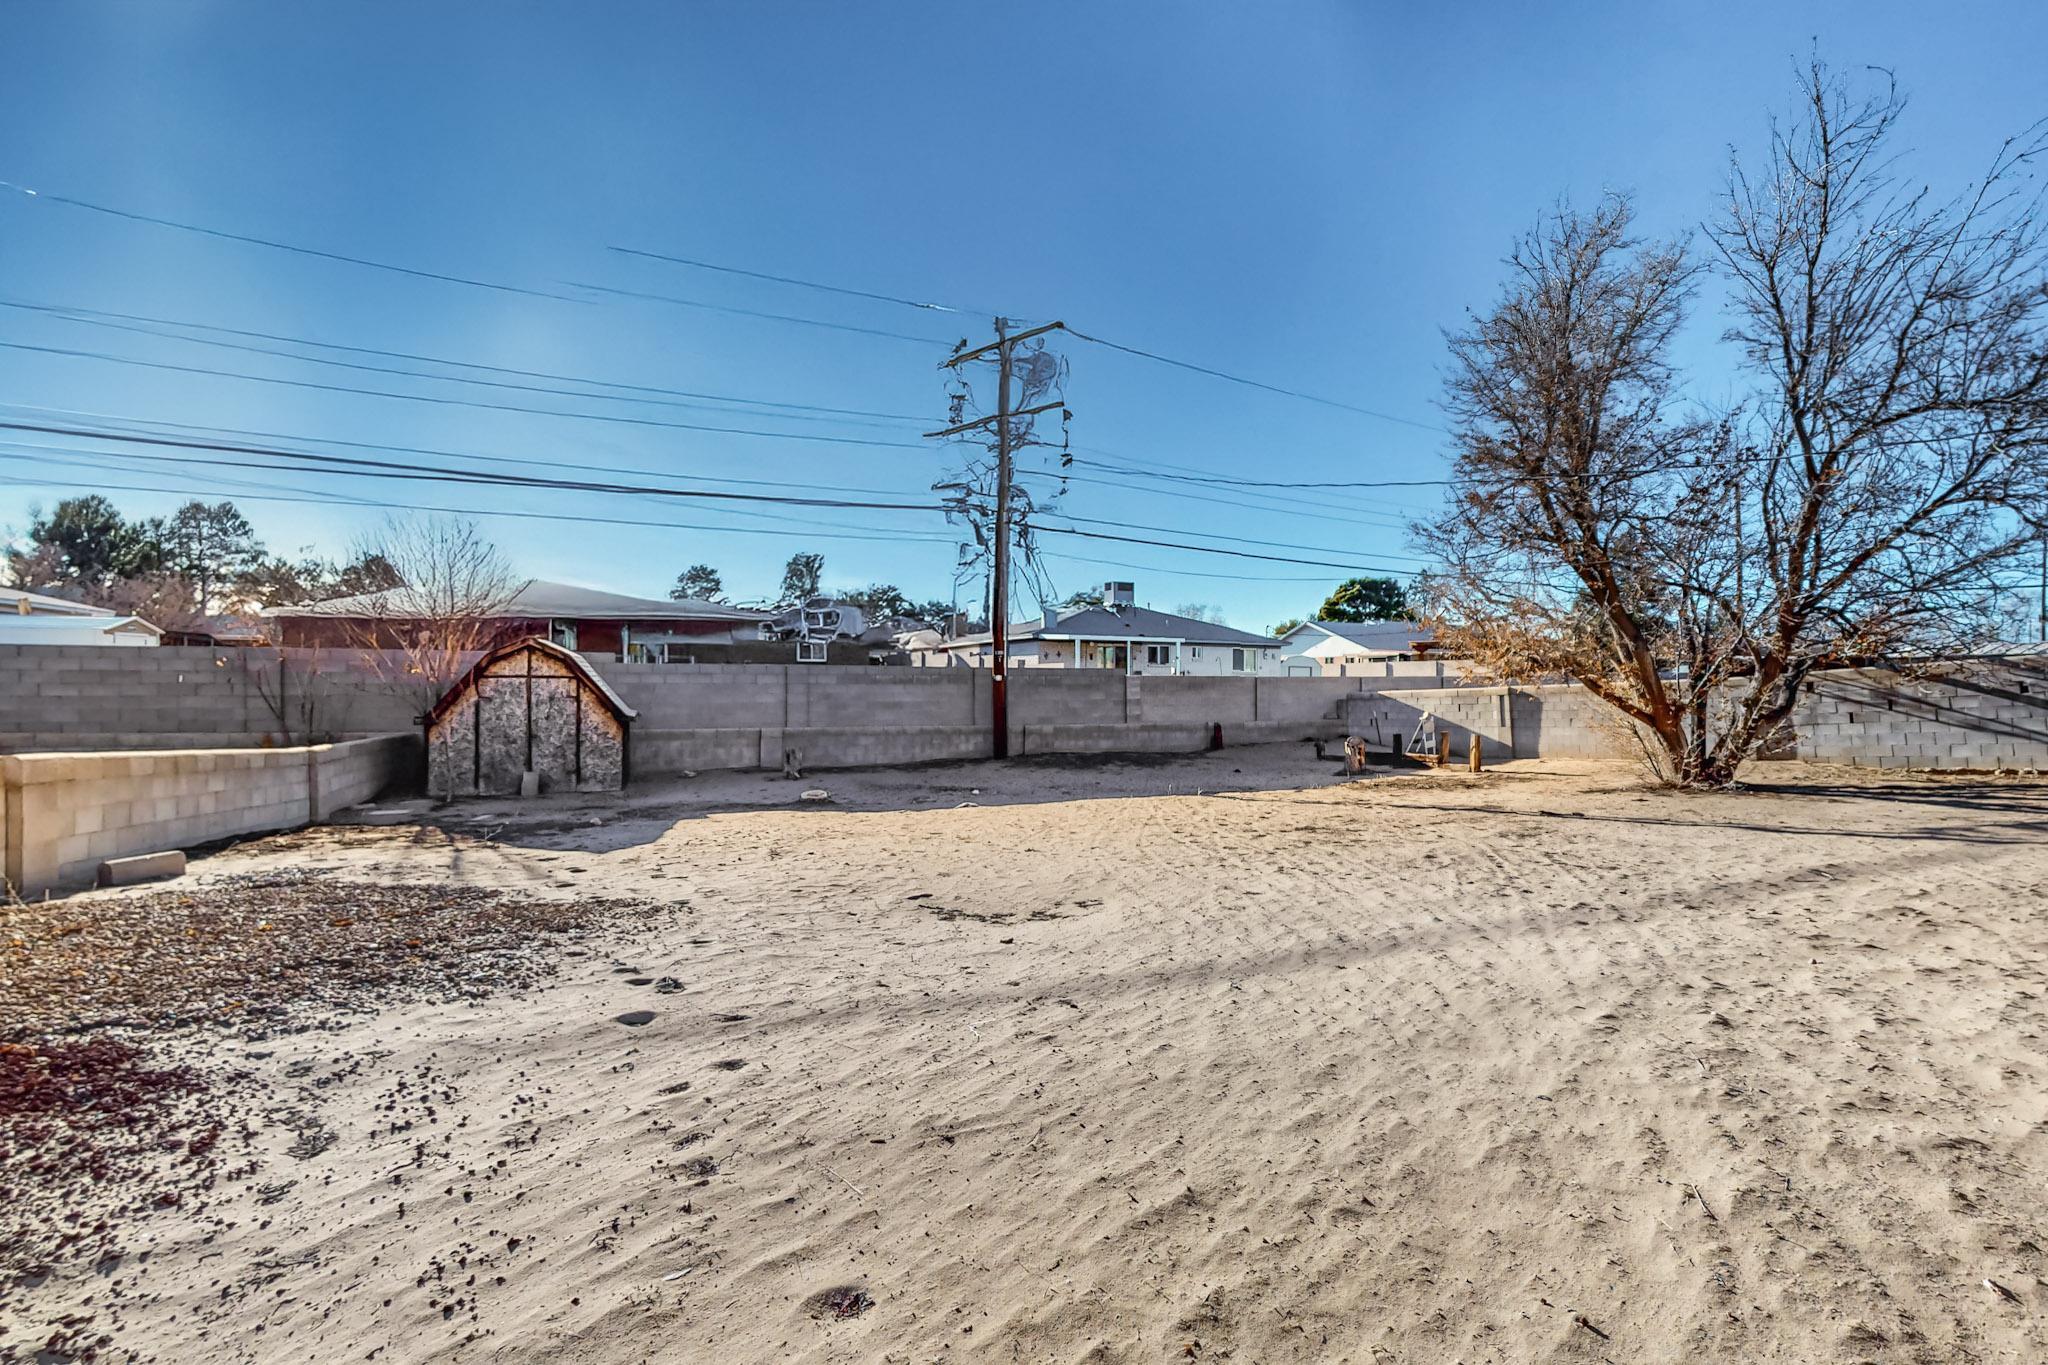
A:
1000	350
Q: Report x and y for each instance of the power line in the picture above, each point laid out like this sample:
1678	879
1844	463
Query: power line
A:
436	453
100	318
1272	483
64	455
1217	535
358	466
389	505
453	402
1261	384
1099	341
1186	573
45	197
1365	516
1147	465
1238	503
785	279
755	313
1217	550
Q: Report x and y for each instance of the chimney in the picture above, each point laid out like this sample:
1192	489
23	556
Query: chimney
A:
1119	594
1052	619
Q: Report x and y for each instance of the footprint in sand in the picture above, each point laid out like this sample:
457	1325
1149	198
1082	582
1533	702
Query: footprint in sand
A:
730	1064
635	1018
639	981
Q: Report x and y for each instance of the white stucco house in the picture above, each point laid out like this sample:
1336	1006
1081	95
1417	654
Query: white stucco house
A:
1330	649
106	630
1124	638
34	618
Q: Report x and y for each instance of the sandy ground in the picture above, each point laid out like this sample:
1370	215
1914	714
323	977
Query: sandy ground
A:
1221	1058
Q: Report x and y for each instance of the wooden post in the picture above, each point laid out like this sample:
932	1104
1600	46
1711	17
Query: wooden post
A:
1473	758
1443	748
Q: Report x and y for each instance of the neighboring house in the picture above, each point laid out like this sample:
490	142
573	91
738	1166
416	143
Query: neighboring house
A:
1332	648
1125	638
20	602
829	630
221	632
33	618
104	628
638	629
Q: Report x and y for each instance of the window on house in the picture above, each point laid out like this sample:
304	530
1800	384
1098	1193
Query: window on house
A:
810	651
1158	654
1194	651
1237	660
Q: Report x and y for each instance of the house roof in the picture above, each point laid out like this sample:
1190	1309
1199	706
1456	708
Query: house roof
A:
1391	635
55	630
1124	623
576	662
539	598
42	604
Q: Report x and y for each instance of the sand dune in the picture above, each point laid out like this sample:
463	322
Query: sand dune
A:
1540	1065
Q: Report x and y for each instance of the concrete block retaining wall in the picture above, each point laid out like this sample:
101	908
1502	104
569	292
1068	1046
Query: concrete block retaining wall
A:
1983	716
66	812
1986	716
1511	722
702	716
54	691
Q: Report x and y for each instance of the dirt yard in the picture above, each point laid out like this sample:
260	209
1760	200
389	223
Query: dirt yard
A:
1208	1059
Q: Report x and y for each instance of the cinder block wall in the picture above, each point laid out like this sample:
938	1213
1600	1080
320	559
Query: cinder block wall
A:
66	813
1982	716
708	715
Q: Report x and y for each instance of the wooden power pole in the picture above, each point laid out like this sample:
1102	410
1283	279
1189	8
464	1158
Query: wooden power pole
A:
1000	351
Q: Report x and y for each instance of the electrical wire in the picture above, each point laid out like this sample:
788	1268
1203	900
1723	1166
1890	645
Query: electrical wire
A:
102	318
1084	336
441	401
68	455
390	505
1186	573
48	198
143	424
1259	384
755	313
367	468
1213	550
785	279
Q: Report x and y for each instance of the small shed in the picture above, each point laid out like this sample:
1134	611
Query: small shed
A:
528	707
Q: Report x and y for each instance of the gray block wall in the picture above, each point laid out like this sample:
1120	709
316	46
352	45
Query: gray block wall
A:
1987	715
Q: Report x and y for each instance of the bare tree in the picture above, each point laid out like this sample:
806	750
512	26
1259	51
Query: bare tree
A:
1865	502
453	592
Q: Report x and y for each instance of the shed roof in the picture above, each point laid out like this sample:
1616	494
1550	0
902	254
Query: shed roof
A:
1123	623
576	662
538	598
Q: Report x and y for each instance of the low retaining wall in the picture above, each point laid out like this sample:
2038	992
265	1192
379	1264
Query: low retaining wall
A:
67	812
1511	722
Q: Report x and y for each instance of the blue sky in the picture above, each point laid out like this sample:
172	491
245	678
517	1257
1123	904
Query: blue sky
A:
1306	194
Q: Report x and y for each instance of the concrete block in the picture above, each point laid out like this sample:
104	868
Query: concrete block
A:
141	867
